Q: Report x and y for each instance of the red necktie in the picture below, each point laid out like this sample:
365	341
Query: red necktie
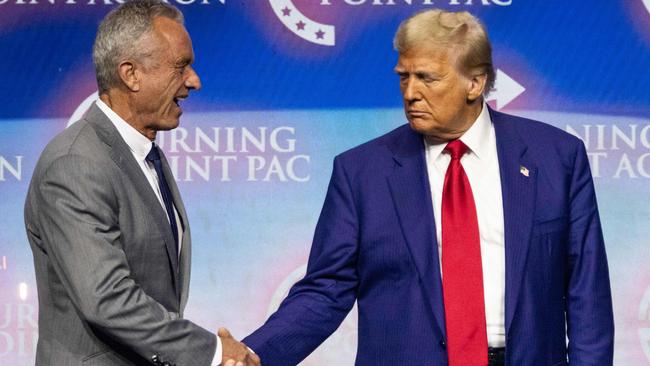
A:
462	274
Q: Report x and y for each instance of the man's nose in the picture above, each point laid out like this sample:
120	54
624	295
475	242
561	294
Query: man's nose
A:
193	81
410	91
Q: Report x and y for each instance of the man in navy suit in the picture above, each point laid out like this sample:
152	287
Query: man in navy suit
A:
467	237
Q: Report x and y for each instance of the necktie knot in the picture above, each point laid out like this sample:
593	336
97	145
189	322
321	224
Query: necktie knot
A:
153	154
456	149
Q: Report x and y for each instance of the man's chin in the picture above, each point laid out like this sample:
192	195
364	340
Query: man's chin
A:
432	134
168	125
419	125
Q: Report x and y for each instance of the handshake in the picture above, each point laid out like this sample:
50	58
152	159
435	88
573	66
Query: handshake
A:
235	353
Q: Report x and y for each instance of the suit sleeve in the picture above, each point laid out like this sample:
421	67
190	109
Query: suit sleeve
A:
78	215
318	303
590	321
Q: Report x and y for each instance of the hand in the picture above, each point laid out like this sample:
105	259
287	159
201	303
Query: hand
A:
236	353
254	359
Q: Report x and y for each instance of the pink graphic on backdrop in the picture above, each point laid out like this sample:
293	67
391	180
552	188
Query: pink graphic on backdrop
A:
340	346
644	322
631	297
522	87
639	13
78	83
18	314
647	5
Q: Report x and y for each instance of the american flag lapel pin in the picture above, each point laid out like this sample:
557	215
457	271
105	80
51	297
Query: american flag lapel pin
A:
524	171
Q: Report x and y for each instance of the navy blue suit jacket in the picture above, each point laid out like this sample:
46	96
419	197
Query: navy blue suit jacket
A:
375	243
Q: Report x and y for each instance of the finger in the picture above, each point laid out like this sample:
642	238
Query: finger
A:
229	363
240	364
223	333
255	359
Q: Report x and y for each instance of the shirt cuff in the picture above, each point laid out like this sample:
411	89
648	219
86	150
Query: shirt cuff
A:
218	354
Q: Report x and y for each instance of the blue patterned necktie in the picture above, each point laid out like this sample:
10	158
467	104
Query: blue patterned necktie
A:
154	157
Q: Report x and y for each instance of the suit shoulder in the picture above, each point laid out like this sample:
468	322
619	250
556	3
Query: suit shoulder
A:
376	147
548	145
79	140
65	139
537	132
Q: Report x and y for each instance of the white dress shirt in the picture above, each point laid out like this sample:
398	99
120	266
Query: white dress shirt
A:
140	146
481	165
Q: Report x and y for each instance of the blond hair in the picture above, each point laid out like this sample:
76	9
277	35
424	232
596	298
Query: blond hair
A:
460	32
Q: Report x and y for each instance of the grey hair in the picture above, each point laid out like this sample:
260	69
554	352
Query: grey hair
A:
119	37
457	31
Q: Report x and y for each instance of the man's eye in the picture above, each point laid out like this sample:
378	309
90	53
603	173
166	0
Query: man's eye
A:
427	78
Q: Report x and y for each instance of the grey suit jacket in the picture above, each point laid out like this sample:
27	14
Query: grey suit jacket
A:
111	288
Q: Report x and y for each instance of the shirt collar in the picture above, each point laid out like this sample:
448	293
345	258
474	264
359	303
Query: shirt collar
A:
478	138
139	144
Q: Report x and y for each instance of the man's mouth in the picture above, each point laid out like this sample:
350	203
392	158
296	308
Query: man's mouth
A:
416	114
177	100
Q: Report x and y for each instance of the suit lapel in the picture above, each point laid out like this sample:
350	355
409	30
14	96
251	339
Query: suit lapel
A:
409	187
123	158
518	189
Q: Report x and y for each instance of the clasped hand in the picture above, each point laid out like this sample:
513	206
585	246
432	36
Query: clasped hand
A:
236	353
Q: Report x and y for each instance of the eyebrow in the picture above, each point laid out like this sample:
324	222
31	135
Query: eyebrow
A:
183	62
419	73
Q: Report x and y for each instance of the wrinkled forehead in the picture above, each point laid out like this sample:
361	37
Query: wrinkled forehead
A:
425	58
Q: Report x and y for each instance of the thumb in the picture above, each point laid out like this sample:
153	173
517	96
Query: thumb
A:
224	333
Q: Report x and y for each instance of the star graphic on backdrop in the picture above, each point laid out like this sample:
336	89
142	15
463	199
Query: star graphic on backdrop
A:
286	11
320	34
300	25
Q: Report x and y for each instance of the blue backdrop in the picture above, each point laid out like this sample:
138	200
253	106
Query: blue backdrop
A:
287	85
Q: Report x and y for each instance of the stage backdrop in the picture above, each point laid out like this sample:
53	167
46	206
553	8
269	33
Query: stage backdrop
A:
287	85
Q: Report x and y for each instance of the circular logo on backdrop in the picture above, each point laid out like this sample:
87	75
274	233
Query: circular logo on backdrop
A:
301	25
283	290
340	348
82	108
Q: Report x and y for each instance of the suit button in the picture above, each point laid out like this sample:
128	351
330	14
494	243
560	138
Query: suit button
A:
155	359
443	344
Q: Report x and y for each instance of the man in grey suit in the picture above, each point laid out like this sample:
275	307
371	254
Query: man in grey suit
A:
104	218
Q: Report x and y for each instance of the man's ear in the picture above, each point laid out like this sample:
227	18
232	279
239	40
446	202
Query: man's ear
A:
129	75
476	87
